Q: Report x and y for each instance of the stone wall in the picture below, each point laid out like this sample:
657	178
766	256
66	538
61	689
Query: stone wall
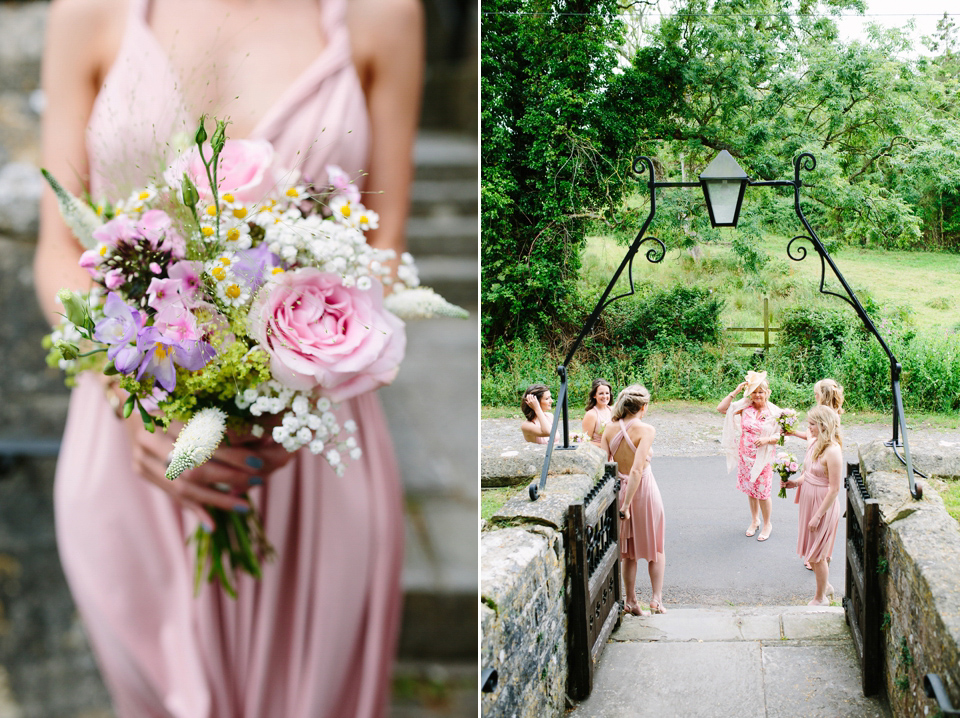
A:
920	574
523	583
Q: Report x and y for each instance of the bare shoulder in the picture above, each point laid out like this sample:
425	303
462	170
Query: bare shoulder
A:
640	430
379	27
87	15
385	13
92	29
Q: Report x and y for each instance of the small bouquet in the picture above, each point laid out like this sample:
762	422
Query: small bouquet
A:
784	464
786	421
229	295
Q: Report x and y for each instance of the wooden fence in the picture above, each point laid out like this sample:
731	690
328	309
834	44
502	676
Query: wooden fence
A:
766	329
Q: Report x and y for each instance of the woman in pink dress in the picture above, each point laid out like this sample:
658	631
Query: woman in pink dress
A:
325	81
628	441
750	433
818	491
598	411
536	405
826	392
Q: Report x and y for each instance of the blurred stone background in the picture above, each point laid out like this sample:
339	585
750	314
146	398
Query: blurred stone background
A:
46	668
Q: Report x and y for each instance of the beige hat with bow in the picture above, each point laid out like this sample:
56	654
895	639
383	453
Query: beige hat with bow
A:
754	379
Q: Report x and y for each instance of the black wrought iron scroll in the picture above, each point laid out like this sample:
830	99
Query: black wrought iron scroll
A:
593	576
807	162
654	255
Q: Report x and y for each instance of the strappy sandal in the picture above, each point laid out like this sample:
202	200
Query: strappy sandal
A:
635	610
761	537
657	607
752	530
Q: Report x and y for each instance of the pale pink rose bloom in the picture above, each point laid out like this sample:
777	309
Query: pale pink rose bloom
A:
321	334
244	170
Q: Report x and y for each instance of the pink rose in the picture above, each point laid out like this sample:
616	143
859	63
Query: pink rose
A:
244	170
321	334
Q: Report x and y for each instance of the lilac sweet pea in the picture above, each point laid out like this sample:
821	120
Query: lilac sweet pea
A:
119	329
251	265
161	352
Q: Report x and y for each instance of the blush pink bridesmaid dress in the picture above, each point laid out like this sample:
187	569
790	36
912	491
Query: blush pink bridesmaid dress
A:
642	536
316	636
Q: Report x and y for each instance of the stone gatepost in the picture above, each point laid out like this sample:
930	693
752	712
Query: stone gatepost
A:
919	569
523	582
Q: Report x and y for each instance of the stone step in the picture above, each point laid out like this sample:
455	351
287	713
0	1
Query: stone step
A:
456	278
428	689
716	662
438	460
442	235
440	580
445	198
446	156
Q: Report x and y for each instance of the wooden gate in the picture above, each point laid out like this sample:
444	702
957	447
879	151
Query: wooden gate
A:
593	571
861	602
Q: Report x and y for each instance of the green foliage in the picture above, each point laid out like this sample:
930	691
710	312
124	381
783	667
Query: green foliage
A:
558	126
678	317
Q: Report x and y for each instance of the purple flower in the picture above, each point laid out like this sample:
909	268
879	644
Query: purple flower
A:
251	265
119	328
161	352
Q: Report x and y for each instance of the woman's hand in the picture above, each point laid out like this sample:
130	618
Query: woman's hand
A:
761	441
625	513
532	401
790	484
814	523
220	482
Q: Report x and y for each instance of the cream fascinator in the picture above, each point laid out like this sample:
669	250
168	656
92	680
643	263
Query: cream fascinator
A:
754	379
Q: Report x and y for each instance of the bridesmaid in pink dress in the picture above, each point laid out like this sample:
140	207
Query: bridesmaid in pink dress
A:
598	410
536	405
325	83
628	441
818	492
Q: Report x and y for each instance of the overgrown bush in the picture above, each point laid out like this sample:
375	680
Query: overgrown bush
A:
661	320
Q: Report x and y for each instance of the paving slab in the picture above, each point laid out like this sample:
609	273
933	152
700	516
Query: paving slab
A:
816	682
710	680
713	662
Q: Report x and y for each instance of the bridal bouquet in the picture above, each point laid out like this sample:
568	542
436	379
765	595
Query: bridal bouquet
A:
228	295
784	464
786	421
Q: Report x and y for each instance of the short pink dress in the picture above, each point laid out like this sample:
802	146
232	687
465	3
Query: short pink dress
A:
598	428
752	426
642	536
816	545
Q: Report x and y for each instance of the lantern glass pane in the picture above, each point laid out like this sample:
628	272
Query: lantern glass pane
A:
723	196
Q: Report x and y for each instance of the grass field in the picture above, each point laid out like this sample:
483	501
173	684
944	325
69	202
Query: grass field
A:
926	283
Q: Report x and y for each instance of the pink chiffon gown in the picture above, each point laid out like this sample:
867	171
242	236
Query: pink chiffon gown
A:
316	636
642	536
816	545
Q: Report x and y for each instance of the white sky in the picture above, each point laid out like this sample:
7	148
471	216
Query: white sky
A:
896	13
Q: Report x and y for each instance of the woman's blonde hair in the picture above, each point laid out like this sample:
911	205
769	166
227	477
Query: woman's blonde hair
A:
828	425
831	394
630	401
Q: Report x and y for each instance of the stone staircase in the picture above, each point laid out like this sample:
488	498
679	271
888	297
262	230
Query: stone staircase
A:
432	411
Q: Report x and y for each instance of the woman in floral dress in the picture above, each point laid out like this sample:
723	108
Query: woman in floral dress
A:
750	432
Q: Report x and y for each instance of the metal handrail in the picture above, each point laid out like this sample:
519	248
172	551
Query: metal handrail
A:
934	688
13	449
807	162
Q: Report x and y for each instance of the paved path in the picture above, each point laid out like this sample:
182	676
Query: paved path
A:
775	662
709	560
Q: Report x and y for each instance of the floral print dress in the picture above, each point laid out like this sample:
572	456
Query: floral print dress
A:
751	427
